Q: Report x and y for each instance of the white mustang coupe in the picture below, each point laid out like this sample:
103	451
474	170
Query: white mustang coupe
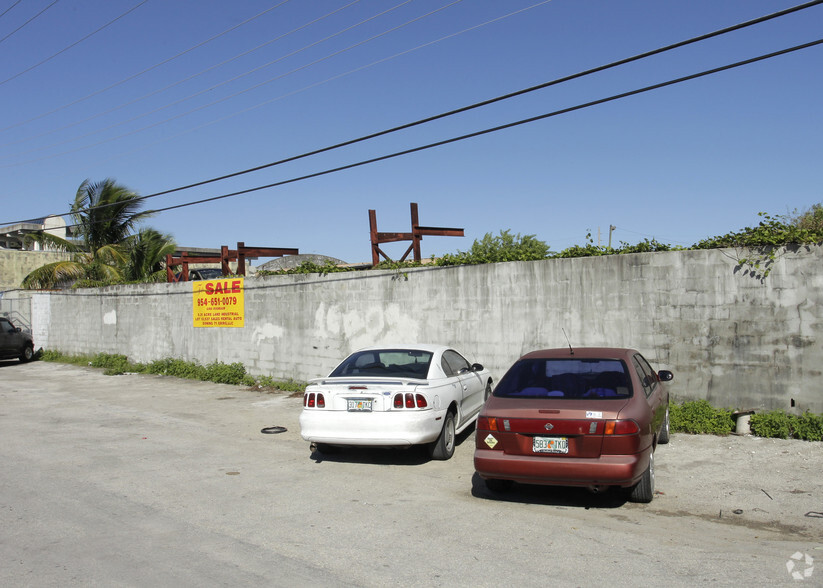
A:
399	396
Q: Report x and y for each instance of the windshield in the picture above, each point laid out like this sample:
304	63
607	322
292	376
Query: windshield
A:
398	363
565	378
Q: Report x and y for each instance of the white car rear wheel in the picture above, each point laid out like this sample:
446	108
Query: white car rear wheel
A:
443	448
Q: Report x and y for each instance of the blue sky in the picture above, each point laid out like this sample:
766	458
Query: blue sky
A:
167	95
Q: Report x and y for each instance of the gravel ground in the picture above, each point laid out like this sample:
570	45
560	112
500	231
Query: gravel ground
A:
773	484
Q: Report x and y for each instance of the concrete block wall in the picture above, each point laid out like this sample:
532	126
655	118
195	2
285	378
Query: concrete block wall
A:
730	338
16	265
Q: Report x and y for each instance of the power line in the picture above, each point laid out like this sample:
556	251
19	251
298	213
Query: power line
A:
138	74
494	100
501	98
47	59
489	130
28	21
261	84
499	128
332	78
2	14
239	76
180	81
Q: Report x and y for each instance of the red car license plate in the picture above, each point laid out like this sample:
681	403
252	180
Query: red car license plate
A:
550	445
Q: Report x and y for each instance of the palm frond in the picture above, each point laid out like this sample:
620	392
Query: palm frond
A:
54	275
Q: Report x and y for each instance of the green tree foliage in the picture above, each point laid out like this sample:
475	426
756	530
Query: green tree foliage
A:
147	252
810	220
772	231
504	247
107	249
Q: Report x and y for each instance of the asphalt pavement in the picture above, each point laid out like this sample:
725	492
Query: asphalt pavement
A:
138	480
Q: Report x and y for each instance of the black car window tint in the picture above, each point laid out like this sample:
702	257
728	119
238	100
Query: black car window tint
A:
456	361
447	369
648	369
566	378
645	378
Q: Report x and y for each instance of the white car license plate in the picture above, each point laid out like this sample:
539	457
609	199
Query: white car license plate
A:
551	445
356	405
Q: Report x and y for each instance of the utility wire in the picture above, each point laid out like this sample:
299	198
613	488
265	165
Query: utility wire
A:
2	14
342	75
239	76
47	59
498	128
496	99
140	73
272	80
181	81
488	130
487	102
28	21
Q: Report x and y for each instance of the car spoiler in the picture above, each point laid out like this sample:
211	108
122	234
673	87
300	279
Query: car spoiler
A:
366	381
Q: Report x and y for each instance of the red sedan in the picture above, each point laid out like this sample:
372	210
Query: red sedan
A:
588	417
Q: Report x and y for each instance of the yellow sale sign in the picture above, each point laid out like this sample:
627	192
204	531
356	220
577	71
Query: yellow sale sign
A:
218	303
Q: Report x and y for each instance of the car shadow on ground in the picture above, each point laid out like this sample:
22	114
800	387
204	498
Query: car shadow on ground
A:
11	363
550	495
409	456
15	361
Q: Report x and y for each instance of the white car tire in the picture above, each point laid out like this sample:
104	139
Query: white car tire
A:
443	448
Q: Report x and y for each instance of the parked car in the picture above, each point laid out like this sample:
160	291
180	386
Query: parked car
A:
15	342
205	273
401	395
575	417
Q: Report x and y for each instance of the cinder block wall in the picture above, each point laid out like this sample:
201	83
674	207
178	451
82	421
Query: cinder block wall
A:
730	338
16	265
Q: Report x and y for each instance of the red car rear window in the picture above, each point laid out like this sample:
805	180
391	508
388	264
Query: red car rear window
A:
566	378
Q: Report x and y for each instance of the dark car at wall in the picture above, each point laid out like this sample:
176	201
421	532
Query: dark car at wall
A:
589	417
15	343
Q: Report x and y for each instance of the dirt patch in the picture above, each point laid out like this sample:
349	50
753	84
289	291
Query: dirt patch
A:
762	484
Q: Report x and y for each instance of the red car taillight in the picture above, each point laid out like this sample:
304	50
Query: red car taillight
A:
624	427
321	401
487	423
621	437
398	401
313	400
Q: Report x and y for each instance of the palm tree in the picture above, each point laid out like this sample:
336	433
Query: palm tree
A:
147	252
105	215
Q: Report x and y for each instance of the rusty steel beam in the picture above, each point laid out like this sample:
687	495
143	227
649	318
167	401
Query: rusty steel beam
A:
416	236
226	255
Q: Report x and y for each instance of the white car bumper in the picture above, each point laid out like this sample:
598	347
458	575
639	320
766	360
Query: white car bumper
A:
399	428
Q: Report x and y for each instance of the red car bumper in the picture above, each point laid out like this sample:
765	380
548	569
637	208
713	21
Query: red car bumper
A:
606	470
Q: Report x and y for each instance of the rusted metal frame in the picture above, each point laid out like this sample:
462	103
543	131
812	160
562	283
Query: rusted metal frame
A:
185	259
226	256
416	236
243	252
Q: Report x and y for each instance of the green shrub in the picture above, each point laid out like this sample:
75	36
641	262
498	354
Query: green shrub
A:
308	267
778	424
113	364
221	373
59	357
176	368
698	416
286	386
504	247
234	373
